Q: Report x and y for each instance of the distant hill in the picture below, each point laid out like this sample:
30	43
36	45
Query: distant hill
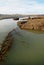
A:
7	16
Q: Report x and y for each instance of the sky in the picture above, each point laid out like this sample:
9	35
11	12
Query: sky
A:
21	6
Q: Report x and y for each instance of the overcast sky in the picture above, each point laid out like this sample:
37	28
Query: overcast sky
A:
21	6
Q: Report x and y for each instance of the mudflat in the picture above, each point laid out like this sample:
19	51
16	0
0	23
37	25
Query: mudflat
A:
32	24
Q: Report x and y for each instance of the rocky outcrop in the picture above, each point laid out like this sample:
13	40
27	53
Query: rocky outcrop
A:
16	18
6	45
32	24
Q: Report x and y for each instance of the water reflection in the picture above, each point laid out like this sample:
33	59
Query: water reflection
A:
6	26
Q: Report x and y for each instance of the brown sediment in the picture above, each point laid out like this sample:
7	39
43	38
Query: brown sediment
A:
32	24
6	45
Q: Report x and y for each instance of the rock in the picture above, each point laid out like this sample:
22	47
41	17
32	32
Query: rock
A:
16	18
6	45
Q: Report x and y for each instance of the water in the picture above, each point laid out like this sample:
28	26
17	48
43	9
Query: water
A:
6	26
27	47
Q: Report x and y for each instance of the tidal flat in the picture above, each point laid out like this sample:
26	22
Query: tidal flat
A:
27	47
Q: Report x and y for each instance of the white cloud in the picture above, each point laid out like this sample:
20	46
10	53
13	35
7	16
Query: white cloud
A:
22	7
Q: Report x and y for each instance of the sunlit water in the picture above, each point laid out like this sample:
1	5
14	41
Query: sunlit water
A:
6	26
27	47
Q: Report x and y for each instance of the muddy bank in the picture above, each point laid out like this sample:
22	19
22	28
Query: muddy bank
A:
32	24
6	45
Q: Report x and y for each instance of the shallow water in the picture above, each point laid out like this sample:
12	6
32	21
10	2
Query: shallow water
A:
27	47
6	26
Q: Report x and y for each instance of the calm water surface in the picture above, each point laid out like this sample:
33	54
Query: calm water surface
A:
27	47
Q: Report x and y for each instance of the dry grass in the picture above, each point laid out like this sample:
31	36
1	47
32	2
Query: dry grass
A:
35	24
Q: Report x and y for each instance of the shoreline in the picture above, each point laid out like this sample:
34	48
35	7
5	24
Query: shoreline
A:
32	24
6	45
